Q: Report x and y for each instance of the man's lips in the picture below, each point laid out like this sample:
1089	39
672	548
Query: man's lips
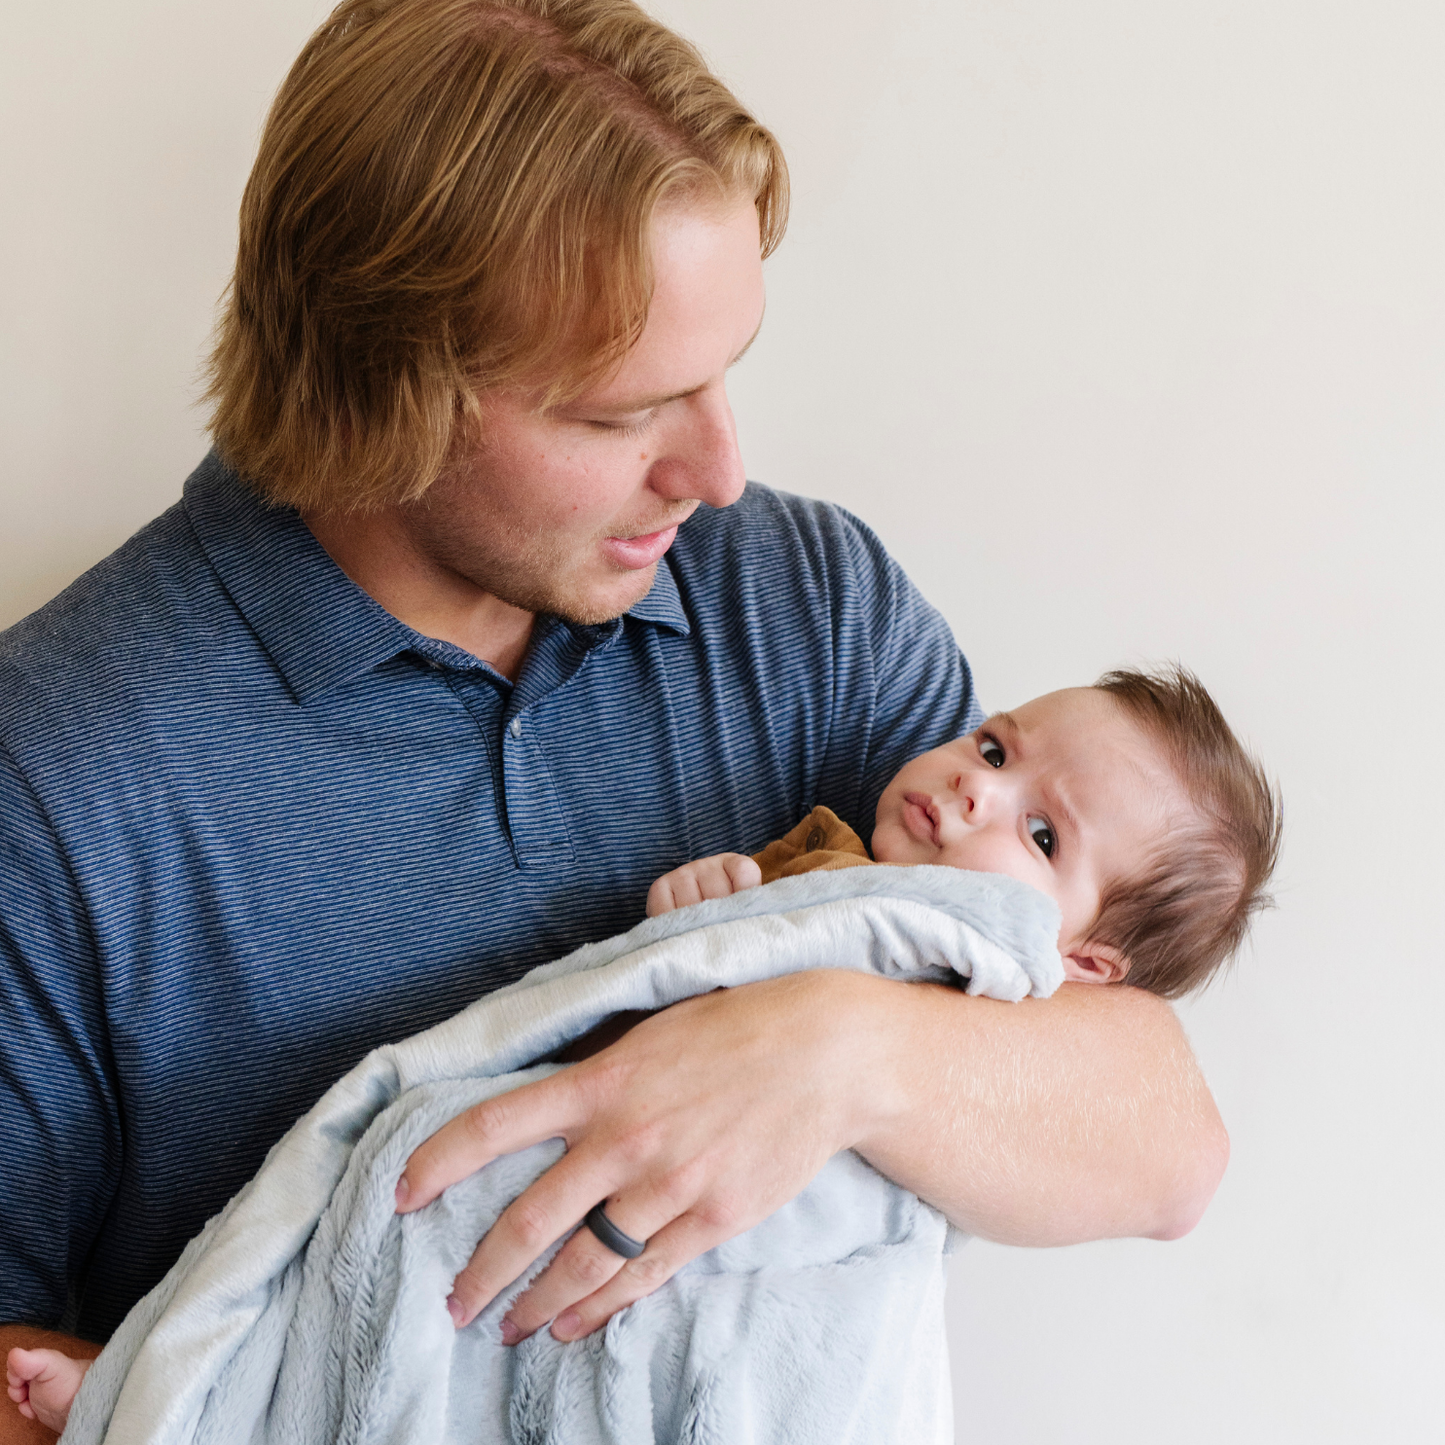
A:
643	551
920	818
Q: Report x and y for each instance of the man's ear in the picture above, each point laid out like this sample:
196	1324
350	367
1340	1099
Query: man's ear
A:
1096	963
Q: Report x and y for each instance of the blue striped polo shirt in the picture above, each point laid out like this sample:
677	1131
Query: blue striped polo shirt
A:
252	825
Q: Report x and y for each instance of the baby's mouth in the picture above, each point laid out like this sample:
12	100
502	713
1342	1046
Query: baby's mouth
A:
921	818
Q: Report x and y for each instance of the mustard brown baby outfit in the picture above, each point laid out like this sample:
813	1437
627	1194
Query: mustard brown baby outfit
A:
820	842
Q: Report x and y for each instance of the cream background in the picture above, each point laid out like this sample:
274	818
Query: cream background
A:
1125	325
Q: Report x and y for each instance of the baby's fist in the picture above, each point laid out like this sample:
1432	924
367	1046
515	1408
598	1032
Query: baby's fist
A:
717	877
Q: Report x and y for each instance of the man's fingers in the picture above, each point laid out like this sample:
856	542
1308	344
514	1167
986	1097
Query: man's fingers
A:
583	1266
539	1216
695	1124
592	1282
502	1125
667	1251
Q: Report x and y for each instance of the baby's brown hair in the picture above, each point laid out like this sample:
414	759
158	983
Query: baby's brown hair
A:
1180	919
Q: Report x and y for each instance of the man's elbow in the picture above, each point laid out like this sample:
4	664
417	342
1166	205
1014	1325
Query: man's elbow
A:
1195	1180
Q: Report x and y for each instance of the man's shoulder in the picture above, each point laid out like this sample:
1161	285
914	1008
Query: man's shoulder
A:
768	517
784	543
122	624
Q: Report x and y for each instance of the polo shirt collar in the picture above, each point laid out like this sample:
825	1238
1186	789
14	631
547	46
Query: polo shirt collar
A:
663	603
316	624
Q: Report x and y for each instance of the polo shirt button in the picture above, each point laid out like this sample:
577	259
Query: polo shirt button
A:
516	728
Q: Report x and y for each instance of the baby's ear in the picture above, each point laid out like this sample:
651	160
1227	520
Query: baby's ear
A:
1096	963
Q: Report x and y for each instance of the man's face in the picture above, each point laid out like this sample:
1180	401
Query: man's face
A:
570	511
1066	793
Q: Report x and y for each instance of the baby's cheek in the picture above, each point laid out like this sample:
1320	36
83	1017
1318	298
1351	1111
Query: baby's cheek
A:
981	853
892	843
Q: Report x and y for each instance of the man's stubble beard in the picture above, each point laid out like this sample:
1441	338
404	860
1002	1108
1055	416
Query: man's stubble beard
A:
525	570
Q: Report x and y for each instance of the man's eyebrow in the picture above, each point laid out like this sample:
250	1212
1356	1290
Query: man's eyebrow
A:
646	403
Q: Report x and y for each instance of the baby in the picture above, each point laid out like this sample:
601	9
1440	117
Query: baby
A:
1130	803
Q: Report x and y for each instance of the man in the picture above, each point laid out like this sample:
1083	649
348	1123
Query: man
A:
466	633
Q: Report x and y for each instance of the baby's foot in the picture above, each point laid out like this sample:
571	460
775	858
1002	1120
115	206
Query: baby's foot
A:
43	1383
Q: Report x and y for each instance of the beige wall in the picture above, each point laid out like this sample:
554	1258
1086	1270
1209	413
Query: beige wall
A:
1125	326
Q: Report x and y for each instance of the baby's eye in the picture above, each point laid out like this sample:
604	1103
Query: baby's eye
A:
1043	836
990	751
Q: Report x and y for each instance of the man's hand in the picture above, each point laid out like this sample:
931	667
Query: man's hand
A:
1049	1121
720	876
698	1123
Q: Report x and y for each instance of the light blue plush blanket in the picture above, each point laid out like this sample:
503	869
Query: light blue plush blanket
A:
308	1311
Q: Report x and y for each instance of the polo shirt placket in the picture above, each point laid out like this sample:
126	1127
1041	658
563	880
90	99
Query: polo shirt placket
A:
535	819
507	719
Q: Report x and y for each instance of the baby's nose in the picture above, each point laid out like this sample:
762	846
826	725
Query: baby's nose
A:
979	796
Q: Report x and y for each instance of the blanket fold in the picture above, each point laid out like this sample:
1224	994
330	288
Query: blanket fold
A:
308	1311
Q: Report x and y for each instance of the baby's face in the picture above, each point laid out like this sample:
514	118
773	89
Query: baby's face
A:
1066	793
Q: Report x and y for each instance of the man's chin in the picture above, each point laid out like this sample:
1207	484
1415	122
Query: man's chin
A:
589	606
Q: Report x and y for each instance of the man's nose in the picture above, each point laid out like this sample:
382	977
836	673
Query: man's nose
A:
702	461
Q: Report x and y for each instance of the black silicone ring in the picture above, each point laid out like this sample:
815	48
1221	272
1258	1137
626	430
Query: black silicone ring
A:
619	1243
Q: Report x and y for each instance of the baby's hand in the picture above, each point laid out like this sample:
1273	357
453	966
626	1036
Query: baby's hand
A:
717	877
43	1383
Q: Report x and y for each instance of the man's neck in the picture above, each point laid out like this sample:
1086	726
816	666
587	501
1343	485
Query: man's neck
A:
379	555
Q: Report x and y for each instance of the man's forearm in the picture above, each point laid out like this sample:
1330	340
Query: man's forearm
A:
15	1429
1047	1122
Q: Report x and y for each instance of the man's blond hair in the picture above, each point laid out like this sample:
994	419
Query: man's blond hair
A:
451	196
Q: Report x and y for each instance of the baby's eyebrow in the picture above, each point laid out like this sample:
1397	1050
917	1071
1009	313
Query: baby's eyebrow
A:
1056	800
1006	718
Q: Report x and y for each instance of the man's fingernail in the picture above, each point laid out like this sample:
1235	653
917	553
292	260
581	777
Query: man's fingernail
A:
402	1190
455	1310
510	1333
565	1326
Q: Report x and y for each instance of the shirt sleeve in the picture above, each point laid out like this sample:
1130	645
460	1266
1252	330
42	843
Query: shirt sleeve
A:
60	1132
908	688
